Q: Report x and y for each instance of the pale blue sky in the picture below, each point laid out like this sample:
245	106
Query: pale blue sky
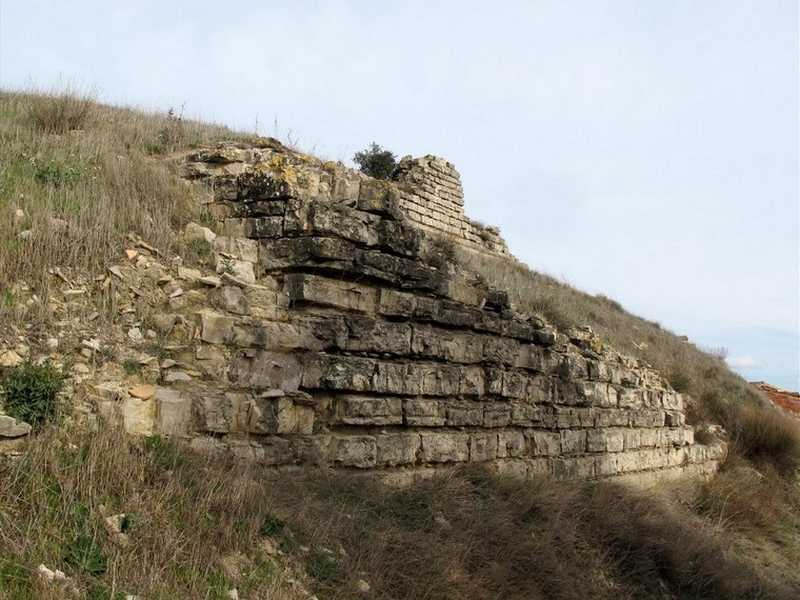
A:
644	150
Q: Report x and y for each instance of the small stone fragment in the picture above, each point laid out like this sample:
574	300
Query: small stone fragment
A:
143	392
9	358
11	428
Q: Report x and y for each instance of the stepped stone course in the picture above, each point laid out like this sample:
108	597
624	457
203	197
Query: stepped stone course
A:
335	330
357	344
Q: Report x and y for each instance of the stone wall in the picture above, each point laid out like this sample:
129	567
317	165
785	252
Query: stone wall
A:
432	198
336	332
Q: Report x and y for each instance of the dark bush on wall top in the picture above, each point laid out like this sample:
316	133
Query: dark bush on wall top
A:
376	162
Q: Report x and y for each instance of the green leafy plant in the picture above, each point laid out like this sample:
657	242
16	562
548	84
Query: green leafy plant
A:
376	162
271	525
131	366
86	554
31	392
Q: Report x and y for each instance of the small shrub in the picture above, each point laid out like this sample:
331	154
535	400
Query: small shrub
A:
173	133
376	162
31	393
54	174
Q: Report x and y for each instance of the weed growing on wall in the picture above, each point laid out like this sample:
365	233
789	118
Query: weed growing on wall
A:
376	162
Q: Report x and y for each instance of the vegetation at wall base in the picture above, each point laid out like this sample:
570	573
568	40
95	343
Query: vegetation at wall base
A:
78	178
204	525
31	393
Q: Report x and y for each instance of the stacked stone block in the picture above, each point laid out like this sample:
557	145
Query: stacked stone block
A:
349	348
432	197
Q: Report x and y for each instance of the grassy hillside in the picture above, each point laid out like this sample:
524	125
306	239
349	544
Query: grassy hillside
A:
77	178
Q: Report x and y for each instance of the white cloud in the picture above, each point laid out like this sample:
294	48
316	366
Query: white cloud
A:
742	362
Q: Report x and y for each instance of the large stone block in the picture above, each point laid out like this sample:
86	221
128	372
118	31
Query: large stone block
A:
420	412
138	416
218	413
346	373
496	414
11	428
482	447
444	447
465	414
366	410
264	370
216	328
396	449
237	247
545	443
173	412
331	292
510	444
573	441
366	334
292	417
353	451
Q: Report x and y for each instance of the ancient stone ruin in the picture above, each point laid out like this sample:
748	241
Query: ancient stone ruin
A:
337	331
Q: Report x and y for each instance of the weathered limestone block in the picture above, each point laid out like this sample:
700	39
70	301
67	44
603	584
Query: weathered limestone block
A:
173	412
579	467
366	334
218	413
230	299
364	410
648	418
257	415
138	416
264	370
448	345
444	447
293	418
11	428
353	451
573	441
396	449
674	419
611	418
672	401
215	328
337	220
529	415
379	197
330	292
545	443
496	414
346	373
239	248
510	444
482	447
464	414
419	412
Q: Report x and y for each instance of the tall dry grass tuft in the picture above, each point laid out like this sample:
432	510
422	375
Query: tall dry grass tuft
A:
764	435
64	108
